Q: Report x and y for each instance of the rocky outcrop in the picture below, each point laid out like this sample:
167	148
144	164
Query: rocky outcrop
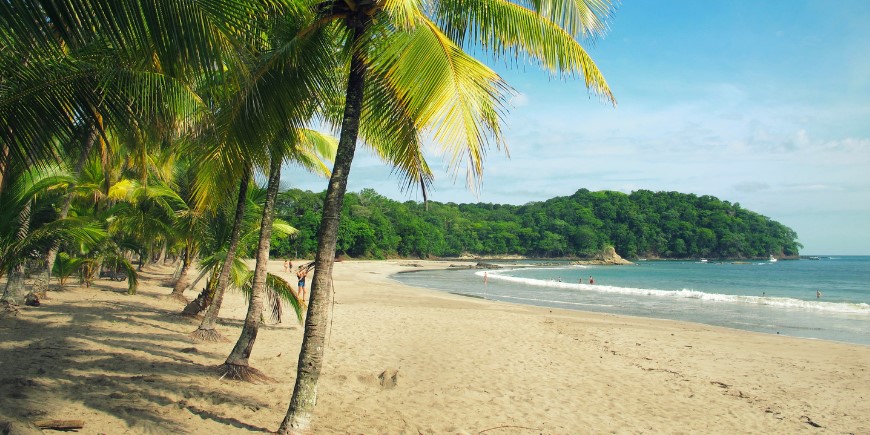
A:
479	265
607	256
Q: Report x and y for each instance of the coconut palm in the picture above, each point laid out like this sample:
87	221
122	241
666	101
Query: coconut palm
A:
263	122
305	147
106	67
214	243
408	55
110	62
262	126
190	228
90	137
28	223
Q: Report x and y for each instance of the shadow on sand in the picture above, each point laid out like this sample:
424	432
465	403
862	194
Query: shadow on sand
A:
125	358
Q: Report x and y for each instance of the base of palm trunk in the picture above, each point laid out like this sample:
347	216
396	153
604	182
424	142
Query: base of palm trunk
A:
244	373
207	334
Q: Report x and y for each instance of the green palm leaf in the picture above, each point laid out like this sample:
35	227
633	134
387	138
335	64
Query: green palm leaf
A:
506	28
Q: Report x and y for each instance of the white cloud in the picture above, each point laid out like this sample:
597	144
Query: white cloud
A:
519	100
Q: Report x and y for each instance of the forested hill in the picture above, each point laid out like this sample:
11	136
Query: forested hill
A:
643	224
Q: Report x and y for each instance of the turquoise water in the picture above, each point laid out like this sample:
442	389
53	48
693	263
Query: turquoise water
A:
761	296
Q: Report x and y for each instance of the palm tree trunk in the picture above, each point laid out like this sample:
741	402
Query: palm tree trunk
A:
67	202
204	298
236	365
5	160
206	330
194	283
182	281
14	292
161	259
298	418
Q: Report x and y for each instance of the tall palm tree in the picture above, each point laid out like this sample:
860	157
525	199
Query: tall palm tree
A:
113	63
273	107
90	138
305	147
409	54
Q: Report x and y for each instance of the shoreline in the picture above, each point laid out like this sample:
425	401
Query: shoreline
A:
782	314
463	365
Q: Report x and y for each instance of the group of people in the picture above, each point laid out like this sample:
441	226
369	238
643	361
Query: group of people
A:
301	274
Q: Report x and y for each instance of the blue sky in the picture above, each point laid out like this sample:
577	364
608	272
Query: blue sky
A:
762	103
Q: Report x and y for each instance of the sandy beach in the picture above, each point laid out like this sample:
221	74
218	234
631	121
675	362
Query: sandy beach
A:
124	364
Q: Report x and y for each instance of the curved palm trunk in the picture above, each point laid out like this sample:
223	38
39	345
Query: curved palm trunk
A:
298	418
14	293
67	203
182	281
206	330
194	283
236	365
204	298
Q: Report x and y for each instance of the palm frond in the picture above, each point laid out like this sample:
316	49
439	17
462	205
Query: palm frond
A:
454	97
280	228
581	18
278	290
312	150
502	27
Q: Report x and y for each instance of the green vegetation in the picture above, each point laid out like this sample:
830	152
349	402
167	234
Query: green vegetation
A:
643	224
130	131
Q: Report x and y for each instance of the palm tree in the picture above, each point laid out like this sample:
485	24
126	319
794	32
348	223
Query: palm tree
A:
107	66
273	107
304	147
28	224
407	55
191	227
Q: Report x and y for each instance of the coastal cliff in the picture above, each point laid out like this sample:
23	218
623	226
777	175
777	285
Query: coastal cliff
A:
607	256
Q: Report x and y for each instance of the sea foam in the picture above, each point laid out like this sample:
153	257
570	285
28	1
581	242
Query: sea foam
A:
775	302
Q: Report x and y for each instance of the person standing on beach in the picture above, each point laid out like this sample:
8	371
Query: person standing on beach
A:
485	278
300	274
286	265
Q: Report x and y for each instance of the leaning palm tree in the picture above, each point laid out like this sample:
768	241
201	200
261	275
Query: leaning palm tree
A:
22	233
190	228
110	61
212	297
262	126
407	55
307	148
272	109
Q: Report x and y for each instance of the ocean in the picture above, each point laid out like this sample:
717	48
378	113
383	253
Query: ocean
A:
770	297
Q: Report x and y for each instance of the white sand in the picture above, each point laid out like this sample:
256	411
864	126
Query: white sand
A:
123	364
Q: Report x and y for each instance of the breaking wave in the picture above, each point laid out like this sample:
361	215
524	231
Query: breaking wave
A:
771	301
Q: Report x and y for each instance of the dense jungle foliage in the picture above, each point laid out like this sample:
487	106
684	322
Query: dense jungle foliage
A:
642	224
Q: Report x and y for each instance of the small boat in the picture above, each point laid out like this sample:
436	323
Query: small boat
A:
772	259
703	260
